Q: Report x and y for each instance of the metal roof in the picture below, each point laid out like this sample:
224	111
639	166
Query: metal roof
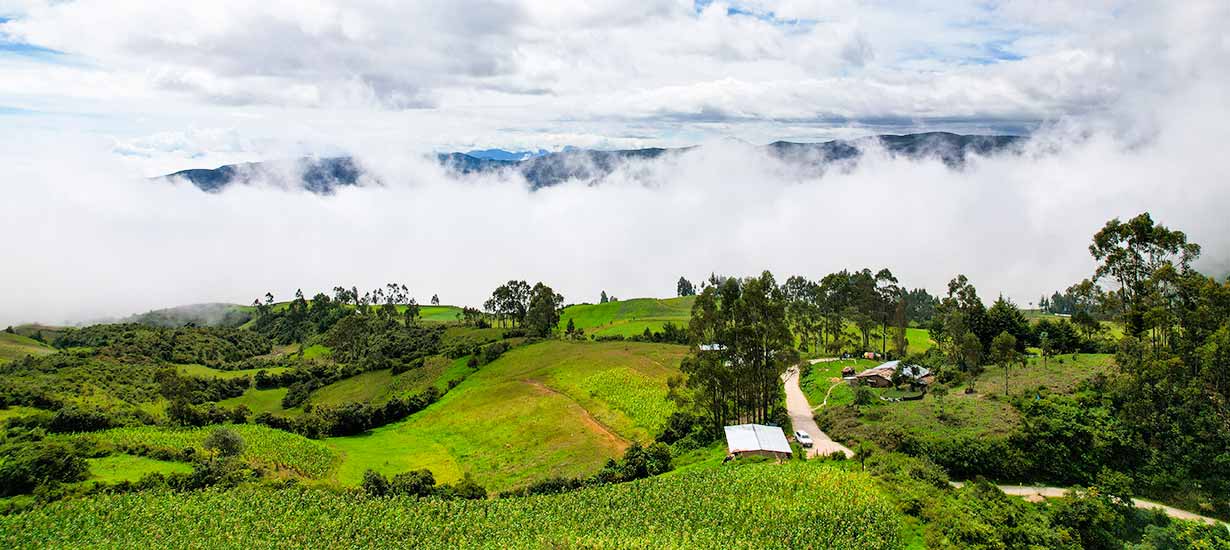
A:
756	437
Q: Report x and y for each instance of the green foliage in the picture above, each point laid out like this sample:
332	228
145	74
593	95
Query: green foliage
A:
224	442
802	504
266	447
26	465
140	343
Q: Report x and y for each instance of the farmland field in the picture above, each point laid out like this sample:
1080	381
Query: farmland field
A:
548	409
264	446
793	505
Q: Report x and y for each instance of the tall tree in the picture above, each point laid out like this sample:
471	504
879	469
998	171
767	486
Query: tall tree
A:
543	312
603	299
1004	353
684	288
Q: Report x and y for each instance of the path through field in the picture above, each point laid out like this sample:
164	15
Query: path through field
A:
802	419
1037	493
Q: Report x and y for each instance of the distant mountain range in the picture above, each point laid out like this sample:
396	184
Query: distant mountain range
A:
544	169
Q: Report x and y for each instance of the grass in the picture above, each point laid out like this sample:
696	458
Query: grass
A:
793	505
16	346
987	413
201	371
549	409
638	313
118	467
259	401
18	411
827	374
317	351
276	449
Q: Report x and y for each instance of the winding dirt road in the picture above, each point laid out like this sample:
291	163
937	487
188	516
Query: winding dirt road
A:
1037	493
802	419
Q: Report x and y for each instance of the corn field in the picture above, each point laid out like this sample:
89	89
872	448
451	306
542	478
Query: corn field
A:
264	446
795	505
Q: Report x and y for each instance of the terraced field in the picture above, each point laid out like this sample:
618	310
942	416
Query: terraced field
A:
762	506
548	409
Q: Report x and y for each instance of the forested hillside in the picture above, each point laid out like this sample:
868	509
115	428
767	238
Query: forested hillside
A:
362	404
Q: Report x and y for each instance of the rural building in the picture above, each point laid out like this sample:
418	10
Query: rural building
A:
757	439
882	376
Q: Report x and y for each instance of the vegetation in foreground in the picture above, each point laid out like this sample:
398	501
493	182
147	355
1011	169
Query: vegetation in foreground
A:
753	506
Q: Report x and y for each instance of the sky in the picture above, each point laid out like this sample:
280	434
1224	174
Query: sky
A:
1125	103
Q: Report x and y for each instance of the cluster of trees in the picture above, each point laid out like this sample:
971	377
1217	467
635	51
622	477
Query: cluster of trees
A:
349	418
536	309
136	343
819	311
302	318
421	484
638	462
743	346
1085	297
979	515
684	288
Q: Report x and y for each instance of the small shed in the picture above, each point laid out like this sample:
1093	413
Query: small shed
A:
757	439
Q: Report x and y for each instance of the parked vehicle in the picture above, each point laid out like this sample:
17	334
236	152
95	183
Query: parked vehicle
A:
803	439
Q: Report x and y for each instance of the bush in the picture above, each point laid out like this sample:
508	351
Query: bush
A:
32	464
224	442
375	484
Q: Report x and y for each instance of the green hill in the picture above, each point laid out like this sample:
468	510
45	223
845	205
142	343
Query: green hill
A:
628	317
16	346
549	409
793	505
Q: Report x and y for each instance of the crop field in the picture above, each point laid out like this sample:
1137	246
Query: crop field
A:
793	505
549	409
610	318
264	446
118	467
15	346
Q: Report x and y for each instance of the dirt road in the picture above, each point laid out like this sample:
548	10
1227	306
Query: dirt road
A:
802	419
1037	493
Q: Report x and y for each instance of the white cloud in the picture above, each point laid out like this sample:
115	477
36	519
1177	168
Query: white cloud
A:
1130	98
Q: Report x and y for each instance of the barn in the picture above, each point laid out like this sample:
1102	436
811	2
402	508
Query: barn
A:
757	439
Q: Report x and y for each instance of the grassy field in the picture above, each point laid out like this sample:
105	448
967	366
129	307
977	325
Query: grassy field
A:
792	505
259	401
118	467
552	408
267	447
201	371
628	317
985	413
826	375
16	346
16	411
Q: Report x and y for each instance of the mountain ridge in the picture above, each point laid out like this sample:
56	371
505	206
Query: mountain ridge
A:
323	175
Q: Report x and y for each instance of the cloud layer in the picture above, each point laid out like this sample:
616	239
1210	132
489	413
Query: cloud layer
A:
1129	99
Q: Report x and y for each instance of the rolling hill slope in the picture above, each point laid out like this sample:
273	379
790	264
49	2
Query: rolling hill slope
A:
628	317
549	409
15	346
